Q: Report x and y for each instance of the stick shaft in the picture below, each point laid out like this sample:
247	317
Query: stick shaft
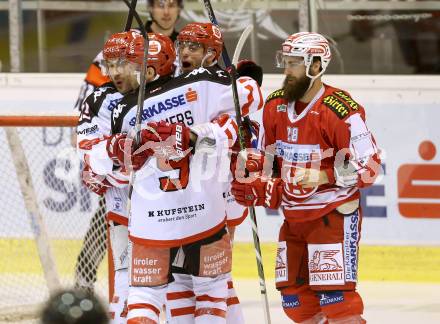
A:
244	36
213	20
130	15
241	139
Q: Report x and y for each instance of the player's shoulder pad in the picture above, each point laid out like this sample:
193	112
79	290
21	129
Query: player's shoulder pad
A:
274	95
340	102
98	95
96	98
121	109
211	74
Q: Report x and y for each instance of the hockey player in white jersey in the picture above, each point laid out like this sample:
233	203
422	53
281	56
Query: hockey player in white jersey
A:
94	128
172	214
197	46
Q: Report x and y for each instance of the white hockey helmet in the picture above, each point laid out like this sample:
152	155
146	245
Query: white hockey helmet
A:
306	45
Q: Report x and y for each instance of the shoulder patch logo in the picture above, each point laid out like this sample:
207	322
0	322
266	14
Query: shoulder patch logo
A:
282	108
337	106
221	74
98	93
191	95
276	94
353	104
200	70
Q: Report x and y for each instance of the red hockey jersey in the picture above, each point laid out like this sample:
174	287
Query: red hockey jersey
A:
331	128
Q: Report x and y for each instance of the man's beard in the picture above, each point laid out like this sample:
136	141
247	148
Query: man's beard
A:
297	89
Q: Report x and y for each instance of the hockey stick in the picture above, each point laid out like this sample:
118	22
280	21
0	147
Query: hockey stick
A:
35	217
213	20
141	97
253	218
241	139
130	15
244	36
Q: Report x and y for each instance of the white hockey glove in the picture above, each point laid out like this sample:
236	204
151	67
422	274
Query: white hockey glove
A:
346	174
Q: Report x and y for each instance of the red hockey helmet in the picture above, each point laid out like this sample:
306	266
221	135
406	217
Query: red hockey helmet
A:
116	46
207	34
306	45
161	52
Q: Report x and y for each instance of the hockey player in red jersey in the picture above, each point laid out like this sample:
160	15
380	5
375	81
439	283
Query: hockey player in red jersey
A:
121	64
323	153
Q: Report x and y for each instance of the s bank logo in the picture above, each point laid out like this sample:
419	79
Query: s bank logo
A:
418	186
166	105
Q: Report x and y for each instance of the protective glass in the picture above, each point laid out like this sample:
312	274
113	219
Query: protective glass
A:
192	46
285	61
118	66
162	4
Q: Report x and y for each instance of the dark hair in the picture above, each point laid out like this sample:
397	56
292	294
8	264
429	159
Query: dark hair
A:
317	59
74	307
150	3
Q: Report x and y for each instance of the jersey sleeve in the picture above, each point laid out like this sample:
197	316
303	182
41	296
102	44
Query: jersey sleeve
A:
235	213
354	144
92	132
223	126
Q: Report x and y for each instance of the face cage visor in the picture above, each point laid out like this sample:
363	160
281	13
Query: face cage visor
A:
120	66
283	61
192	46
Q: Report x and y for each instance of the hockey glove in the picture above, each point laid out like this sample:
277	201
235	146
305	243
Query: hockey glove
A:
94	182
120	149
346	174
169	141
259	192
251	69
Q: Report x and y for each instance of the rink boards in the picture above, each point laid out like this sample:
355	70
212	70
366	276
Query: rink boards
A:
402	207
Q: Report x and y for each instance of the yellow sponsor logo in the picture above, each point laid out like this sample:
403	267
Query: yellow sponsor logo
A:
353	104
276	94
339	108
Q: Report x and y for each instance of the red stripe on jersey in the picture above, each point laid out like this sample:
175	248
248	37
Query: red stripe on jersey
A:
180	295
88	144
232	301
178	242
141	320
183	311
210	311
122	220
210	299
144	306
250	100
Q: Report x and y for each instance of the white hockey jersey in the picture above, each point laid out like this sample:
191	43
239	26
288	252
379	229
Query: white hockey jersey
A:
173	204
94	126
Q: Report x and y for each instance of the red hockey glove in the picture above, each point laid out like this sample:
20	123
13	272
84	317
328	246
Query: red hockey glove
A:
170	141
251	164
94	182
246	163
120	150
259	192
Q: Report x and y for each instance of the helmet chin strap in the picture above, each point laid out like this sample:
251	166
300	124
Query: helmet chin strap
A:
208	53
312	78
